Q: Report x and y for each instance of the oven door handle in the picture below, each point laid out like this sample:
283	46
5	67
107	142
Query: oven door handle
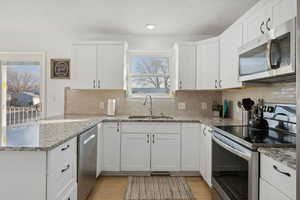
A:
244	155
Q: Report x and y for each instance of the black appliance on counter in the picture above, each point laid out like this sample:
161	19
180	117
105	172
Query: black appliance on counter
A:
235	159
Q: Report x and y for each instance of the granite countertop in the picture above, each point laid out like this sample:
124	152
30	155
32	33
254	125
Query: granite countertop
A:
49	133
286	156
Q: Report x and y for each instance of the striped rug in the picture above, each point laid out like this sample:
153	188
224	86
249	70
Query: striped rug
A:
157	188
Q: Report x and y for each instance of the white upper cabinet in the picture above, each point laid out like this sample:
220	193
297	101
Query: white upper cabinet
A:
99	65
110	66
230	41
255	24
282	11
84	72
186	66
266	15
208	64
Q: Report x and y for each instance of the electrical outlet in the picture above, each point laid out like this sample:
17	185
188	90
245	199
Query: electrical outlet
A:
101	105
204	106
181	106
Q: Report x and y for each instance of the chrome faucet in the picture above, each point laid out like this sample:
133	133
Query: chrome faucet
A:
146	101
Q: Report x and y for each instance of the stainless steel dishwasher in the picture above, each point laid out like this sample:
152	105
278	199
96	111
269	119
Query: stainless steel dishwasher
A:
87	162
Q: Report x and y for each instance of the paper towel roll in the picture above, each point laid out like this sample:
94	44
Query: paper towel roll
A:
111	107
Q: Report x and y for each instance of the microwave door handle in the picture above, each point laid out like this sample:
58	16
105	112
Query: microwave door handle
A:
232	150
269	55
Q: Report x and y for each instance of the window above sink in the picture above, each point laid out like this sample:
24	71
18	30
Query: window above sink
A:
149	73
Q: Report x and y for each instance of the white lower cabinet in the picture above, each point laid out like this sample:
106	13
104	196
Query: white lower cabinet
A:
111	147
190	144
267	192
205	153
279	177
62	171
165	152
135	154
70	194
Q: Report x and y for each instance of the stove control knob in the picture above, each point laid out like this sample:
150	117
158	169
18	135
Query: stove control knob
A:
271	109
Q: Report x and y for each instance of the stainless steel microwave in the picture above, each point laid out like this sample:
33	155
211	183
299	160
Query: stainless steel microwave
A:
271	55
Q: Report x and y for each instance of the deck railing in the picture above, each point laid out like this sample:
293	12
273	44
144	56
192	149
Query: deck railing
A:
19	115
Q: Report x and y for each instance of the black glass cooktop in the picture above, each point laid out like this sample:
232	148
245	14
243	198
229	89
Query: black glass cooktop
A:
259	136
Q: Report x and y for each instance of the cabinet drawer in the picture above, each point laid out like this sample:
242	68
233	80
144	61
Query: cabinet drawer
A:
69	194
280	176
267	192
61	180
62	155
139	127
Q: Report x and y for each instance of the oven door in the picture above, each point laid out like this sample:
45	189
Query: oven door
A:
234	170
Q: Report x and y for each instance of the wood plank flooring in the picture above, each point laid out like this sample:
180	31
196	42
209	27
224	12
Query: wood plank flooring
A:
113	188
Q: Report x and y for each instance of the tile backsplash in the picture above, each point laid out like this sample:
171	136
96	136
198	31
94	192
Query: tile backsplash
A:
275	93
198	103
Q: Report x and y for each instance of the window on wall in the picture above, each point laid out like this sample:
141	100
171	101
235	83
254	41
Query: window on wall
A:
149	75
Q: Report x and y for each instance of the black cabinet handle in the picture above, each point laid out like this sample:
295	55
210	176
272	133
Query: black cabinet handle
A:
216	82
148	139
220	83
281	172
94	83
261	25
65	148
153	138
65	169
268	24
98	83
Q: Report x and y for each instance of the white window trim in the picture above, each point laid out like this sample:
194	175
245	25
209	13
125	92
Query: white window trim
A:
15	56
156	53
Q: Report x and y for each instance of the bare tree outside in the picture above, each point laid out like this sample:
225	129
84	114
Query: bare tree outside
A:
23	93
150	75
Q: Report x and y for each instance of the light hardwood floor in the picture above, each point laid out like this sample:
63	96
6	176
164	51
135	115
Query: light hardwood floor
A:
113	188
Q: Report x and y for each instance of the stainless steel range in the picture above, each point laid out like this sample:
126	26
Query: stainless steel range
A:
235	160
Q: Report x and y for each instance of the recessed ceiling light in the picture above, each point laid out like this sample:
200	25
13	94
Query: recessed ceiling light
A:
150	26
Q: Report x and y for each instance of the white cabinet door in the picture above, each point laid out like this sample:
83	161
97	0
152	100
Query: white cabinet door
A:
190	139
111	147
84	66
99	149
282	11
208	152
165	152
205	154
110	67
187	66
135	152
268	192
208	64
202	156
230	41
255	24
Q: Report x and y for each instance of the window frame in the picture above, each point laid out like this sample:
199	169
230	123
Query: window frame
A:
162	53
6	57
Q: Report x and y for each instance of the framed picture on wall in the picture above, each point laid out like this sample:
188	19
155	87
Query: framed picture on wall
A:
60	68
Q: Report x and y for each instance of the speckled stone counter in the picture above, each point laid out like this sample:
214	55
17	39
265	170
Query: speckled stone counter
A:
286	156
51	132
44	135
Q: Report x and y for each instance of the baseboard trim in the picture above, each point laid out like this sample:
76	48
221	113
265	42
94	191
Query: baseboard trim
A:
148	173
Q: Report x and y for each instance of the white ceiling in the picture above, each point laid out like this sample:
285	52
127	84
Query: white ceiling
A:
172	17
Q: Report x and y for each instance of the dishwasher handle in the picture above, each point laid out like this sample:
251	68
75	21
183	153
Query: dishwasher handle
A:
89	139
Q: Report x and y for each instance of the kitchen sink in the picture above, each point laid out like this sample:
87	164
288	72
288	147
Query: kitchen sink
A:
149	117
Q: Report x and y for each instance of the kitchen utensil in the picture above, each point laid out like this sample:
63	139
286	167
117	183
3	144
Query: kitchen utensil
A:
247	103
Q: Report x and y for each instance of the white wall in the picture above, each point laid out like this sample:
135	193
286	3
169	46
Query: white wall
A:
57	44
